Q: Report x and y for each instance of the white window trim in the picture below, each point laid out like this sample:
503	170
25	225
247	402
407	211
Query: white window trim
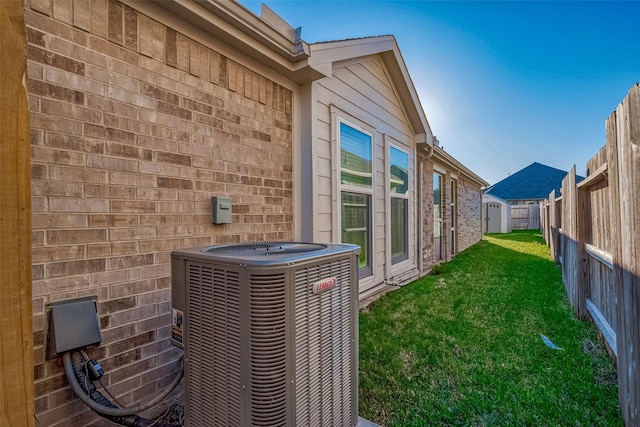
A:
443	254
338	117
439	169
403	265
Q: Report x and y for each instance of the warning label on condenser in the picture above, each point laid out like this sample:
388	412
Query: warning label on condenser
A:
176	325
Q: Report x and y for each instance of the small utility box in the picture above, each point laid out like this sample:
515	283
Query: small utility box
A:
220	210
73	324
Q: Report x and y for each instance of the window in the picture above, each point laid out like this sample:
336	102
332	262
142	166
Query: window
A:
356	224
437	216
355	157
356	191
454	218
399	185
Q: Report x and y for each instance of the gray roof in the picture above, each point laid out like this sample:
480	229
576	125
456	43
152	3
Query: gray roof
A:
534	182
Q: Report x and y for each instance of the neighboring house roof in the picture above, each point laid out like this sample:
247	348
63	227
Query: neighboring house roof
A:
534	182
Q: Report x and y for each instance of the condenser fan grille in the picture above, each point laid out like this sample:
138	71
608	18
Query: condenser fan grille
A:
263	248
322	323
268	350
214	318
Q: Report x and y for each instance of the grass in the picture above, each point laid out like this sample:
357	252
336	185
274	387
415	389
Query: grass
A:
462	346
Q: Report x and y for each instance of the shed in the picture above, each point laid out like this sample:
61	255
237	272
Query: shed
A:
496	214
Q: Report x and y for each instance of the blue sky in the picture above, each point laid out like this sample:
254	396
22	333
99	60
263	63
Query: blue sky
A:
503	84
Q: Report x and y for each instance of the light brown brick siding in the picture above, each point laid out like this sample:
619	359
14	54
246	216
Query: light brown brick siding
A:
468	209
427	226
469	214
134	128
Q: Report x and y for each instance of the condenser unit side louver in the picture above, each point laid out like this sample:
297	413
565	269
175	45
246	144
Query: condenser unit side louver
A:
270	333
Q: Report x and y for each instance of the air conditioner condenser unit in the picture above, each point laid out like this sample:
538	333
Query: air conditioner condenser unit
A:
270	333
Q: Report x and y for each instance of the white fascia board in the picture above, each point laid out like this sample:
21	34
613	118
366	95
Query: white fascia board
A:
409	95
341	50
251	28
325	54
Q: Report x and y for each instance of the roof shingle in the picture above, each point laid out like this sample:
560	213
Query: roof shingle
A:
534	182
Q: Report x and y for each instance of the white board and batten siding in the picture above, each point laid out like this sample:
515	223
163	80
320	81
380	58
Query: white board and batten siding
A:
361	94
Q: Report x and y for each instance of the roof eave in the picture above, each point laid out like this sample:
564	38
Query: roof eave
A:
325	54
446	158
268	40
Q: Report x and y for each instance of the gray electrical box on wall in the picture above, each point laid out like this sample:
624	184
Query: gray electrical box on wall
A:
73	324
221	210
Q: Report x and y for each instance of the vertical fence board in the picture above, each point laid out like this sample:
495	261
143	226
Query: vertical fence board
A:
553	231
583	233
602	212
16	348
611	308
558	227
628	129
570	264
525	217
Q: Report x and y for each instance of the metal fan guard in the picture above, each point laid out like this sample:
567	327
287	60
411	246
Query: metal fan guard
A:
263	248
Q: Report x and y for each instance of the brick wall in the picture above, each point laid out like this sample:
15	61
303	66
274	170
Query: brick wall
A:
134	127
469	214
427	217
469	209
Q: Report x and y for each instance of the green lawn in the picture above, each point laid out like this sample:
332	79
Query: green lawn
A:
463	346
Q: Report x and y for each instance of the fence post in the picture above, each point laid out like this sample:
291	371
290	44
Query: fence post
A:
553	230
546	222
611	157
583	236
570	259
628	334
17	406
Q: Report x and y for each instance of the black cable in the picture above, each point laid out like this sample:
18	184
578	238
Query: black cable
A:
91	397
111	396
88	377
86	385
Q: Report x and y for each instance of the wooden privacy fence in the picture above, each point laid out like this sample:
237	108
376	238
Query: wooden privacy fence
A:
525	217
593	230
